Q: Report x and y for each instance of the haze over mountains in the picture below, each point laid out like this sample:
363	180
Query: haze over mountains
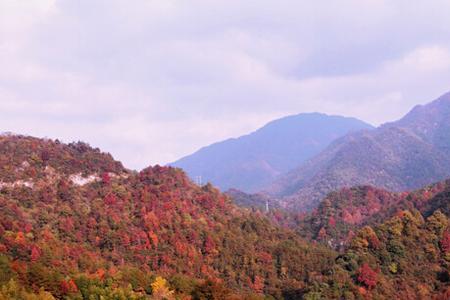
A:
300	159
398	156
251	162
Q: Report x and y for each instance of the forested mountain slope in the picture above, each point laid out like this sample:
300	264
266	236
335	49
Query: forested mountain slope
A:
405	257
343	212
111	232
75	224
250	162
399	156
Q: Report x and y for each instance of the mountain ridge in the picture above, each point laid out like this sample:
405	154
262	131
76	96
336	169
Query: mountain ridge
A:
253	160
398	156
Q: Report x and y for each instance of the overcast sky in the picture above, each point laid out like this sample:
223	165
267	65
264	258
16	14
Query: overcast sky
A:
151	81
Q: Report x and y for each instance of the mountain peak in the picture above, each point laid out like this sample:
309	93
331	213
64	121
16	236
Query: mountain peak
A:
40	155
431	122
254	160
399	156
444	97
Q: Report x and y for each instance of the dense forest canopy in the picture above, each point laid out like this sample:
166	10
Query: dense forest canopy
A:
75	224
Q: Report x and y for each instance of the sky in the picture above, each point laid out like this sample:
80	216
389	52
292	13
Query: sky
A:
151	81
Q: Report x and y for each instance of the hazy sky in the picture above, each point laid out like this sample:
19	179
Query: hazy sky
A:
150	81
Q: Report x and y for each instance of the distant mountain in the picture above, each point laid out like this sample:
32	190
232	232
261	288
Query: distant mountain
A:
250	162
398	156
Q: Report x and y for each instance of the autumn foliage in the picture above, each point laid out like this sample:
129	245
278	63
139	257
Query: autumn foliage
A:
75	224
367	276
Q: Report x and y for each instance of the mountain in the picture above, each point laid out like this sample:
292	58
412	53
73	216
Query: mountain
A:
405	257
346	211
256	201
250	162
78	225
19	156
397	156
391	245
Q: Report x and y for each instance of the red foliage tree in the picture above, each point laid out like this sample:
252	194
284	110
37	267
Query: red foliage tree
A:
332	222
374	242
367	276
28	227
110	199
445	242
20	239
68	287
265	258
154	238
67	225
209	245
45	156
258	284
106	179
445	295
35	253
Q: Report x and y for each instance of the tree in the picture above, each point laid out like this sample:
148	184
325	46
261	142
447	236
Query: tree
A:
68	287
35	253
106	179
258	284
13	291
160	290
367	276
211	290
445	242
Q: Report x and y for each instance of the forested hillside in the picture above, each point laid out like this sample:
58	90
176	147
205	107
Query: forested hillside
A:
116	232
75	224
399	156
406	257
343	212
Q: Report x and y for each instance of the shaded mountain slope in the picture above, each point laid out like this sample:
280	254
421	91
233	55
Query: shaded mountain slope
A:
397	156
250	162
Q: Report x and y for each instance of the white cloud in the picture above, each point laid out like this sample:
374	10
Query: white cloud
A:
428	59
